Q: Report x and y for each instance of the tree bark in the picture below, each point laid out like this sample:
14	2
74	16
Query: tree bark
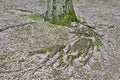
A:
60	12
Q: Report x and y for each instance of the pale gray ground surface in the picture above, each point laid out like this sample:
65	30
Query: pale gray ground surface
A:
16	42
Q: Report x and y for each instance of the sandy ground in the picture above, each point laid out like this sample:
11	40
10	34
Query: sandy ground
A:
16	42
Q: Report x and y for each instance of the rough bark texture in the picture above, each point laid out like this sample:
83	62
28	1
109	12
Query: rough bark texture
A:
60	12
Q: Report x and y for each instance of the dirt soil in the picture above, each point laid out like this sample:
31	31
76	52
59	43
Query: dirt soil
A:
20	34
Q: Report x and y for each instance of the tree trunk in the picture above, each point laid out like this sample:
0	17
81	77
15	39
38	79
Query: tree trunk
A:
60	12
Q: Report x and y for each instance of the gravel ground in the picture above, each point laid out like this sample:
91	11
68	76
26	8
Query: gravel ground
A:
16	42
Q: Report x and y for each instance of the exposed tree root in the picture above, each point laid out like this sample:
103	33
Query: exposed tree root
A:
22	24
23	10
82	46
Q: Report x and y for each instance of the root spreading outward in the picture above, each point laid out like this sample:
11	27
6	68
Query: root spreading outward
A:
81	45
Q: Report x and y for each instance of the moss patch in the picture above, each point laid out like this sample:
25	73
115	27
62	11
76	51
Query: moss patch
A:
34	16
98	43
66	18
